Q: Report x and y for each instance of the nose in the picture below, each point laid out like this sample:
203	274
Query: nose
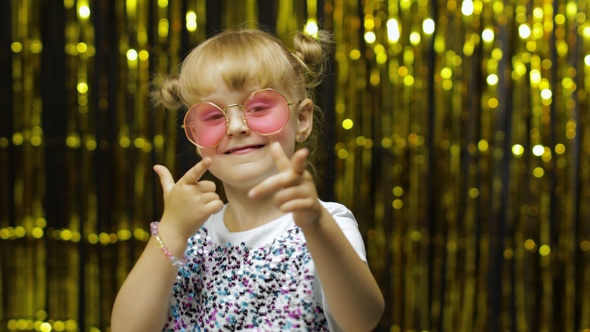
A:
236	124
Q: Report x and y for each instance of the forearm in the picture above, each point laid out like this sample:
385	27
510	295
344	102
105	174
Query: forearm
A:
350	289
143	300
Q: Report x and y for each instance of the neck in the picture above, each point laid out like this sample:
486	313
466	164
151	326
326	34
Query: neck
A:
244	213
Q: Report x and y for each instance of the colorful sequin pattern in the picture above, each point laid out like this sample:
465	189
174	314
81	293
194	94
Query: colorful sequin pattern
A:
233	287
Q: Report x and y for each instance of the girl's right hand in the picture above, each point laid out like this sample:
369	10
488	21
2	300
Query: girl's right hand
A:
189	202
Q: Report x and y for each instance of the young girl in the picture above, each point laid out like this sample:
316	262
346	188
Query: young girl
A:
274	257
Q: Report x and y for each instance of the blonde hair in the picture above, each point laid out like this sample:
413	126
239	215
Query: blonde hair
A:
239	57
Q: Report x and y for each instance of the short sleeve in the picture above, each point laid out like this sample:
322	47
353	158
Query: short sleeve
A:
349	226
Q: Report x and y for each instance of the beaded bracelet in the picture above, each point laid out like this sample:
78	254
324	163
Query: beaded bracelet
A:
175	260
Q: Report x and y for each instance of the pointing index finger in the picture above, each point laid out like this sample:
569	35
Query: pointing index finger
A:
281	160
194	174
297	162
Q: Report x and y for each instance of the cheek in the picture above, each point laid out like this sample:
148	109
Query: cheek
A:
290	129
207	152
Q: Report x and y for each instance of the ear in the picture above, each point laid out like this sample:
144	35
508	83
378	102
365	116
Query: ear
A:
304	120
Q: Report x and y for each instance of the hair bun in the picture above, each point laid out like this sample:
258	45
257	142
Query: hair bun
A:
312	53
167	93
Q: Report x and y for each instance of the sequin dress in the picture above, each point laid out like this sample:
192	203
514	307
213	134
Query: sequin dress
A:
258	280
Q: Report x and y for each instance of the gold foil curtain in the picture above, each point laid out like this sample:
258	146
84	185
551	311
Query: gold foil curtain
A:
456	134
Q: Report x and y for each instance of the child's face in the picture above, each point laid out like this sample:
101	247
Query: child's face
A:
242	158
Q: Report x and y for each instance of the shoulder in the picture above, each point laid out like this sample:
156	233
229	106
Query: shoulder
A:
340	212
334	207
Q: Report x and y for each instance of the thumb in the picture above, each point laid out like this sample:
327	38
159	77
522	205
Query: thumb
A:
166	179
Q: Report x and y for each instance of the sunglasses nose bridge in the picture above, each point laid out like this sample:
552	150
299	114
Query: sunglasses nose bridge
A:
228	116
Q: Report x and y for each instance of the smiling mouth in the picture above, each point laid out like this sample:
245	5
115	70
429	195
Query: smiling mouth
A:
244	149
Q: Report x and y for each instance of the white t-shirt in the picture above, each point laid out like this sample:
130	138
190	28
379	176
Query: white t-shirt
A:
261	279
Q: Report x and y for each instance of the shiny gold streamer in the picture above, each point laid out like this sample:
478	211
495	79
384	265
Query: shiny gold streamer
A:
459	143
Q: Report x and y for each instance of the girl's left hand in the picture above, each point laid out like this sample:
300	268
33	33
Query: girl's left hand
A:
293	187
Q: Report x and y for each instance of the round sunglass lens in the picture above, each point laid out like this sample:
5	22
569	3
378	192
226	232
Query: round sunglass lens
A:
204	125
266	112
